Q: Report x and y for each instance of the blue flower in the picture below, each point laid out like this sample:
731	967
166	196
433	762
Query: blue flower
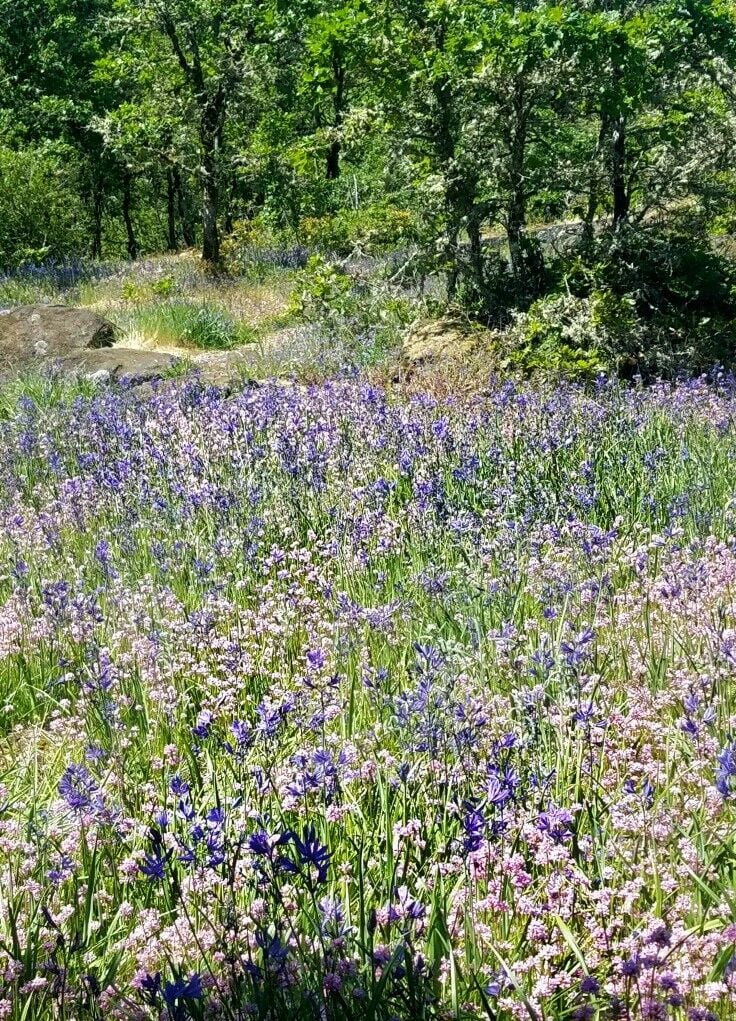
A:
179	787
78	788
177	992
243	737
260	844
151	988
577	650
726	770
631	968
156	860
558	823
474	824
311	853
274	951
207	842
332	918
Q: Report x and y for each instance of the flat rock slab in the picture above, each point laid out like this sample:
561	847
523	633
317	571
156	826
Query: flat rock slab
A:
118	364
227	370
32	335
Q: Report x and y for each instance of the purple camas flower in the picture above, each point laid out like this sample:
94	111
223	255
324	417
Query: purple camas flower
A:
384	689
275	954
176	994
243	737
558	823
202	728
79	789
179	787
312	854
726	775
260	844
316	659
659	936
474	825
157	858
332	918
150	987
577	650
631	967
206	844
590	985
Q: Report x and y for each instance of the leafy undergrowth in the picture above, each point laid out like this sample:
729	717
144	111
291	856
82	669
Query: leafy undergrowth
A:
320	704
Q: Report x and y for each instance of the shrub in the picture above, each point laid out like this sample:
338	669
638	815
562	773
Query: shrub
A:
567	335
254	248
322	291
164	287
680	293
374	230
363	319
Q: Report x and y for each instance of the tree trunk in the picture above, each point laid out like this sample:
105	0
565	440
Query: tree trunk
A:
210	233
333	153
210	134
170	211
516	212
476	255
453	272
621	199
187	227
442	137
228	224
98	206
593	184
333	161
129	231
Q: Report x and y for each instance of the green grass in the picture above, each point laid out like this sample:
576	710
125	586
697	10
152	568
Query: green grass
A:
179	322
46	389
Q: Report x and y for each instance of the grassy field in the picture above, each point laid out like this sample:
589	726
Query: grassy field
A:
329	703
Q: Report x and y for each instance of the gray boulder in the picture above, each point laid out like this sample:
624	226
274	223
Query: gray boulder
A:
33	335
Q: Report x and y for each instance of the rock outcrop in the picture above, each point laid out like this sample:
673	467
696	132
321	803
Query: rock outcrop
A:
37	335
441	340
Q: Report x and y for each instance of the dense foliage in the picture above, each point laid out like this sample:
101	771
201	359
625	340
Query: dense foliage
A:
323	705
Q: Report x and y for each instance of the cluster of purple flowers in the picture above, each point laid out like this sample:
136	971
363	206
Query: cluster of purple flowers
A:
335	704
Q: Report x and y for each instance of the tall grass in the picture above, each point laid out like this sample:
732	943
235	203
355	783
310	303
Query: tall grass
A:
186	323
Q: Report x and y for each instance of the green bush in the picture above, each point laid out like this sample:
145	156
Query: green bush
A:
679	290
567	335
41	214
322	291
139	291
245	237
363	318
374	230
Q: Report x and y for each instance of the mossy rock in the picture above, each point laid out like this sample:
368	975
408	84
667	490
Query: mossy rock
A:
448	339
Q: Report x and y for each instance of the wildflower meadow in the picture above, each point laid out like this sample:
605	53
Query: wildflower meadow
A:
325	702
